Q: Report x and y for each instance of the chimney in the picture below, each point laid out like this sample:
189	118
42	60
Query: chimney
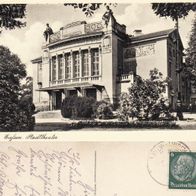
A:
137	32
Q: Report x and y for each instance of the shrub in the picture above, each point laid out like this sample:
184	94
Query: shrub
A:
83	107
123	112
77	107
145	99
26	121
67	106
95	106
104	111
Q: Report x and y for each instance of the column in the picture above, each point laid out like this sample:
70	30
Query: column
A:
63	95
71	53
63	62
57	67
53	100
65	92
80	57
51	67
50	78
83	92
99	94
89	62
100	61
50	100
37	72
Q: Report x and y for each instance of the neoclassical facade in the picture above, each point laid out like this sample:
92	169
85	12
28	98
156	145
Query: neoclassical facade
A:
100	60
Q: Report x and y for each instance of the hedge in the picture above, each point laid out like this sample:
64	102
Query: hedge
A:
106	124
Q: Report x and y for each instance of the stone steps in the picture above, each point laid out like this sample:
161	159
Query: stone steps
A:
49	114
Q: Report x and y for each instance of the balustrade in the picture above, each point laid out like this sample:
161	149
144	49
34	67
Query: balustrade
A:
68	32
126	77
74	80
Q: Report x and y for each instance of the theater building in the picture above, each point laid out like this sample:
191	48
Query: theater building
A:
100	60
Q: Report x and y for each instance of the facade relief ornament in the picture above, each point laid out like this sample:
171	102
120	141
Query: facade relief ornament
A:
139	51
94	27
107	43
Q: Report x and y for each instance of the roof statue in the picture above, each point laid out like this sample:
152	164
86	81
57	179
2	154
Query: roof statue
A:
107	15
48	32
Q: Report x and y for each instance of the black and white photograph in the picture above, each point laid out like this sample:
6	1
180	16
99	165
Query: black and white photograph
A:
97	66
97	99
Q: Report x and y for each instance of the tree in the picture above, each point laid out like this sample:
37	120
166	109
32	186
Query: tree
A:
190	59
11	15
88	8
27	87
12	110
145	99
26	99
173	10
191	50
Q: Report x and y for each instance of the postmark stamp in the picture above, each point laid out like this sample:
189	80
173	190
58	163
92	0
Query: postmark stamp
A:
158	160
182	170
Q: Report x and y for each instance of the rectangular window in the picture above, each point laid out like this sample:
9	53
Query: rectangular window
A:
95	62
39	79
53	68
67	66
85	63
60	64
76	65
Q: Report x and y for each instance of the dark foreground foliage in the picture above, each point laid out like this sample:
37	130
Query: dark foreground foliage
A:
16	108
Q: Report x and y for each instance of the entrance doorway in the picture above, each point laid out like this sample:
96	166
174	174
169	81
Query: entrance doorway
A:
91	93
73	93
58	100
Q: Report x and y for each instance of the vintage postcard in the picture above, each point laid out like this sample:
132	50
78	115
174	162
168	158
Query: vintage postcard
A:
97	99
104	66
97	168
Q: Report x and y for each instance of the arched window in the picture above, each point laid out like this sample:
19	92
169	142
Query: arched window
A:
107	42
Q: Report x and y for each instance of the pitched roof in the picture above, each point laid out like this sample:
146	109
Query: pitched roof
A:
152	35
155	36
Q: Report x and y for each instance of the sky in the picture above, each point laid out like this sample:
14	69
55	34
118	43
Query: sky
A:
26	42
